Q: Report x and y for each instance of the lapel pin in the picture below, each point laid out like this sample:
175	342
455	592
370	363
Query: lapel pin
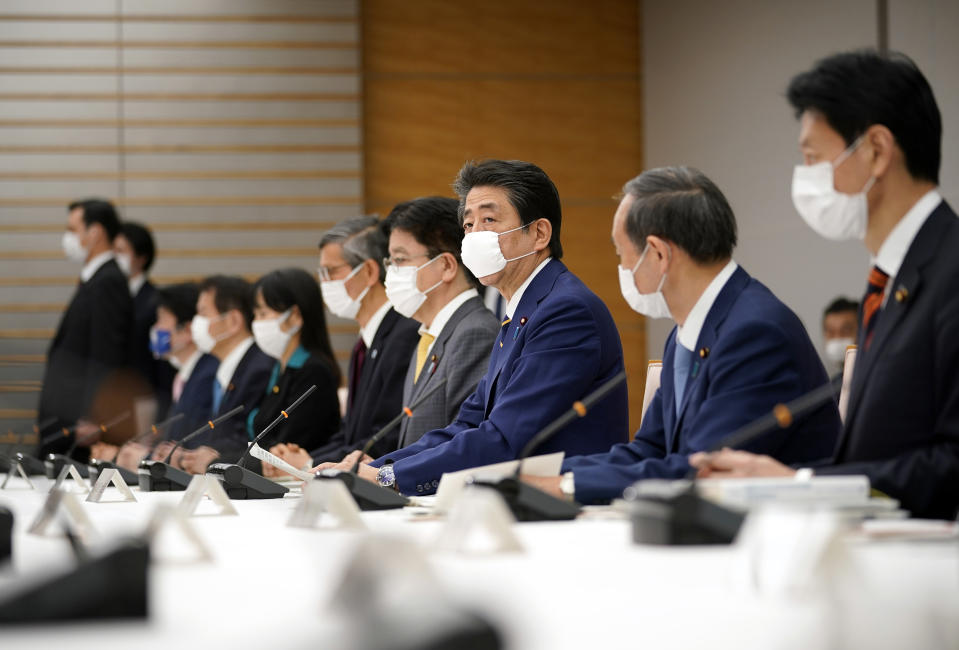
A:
230	387
703	353
522	321
374	352
276	389
902	294
434	361
695	370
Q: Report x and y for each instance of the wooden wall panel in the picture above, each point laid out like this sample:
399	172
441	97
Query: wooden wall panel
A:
554	83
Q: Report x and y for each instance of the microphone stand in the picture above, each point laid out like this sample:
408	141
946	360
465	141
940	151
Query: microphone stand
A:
129	477
54	463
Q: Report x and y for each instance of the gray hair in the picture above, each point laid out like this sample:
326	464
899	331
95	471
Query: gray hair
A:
361	238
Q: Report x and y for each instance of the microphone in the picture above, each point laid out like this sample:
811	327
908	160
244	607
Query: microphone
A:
532	504
32	465
242	483
130	478
369	495
161	476
673	513
54	462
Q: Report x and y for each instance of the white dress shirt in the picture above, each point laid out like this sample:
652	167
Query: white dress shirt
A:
90	268
688	333
228	366
443	315
893	250
514	301
368	331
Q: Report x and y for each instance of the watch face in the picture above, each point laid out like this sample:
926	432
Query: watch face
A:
385	477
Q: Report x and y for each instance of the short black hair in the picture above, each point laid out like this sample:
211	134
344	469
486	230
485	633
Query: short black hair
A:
361	238
283	288
527	186
855	90
434	222
141	240
99	211
180	300
231	292
840	305
682	205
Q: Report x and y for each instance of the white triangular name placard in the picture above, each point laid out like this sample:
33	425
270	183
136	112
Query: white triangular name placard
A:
205	485
18	469
166	517
56	501
69	470
107	477
480	522
331	497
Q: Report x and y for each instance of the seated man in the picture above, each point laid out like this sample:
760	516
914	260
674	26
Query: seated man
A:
735	353
840	320
871	137
557	344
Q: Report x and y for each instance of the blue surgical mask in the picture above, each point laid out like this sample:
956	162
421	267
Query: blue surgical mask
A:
160	342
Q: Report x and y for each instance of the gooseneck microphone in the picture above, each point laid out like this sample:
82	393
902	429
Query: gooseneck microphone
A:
672	513
54	462
160	476
32	465
532	504
369	495
241	483
96	466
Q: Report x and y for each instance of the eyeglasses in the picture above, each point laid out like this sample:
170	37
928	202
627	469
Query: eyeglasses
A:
325	272
400	260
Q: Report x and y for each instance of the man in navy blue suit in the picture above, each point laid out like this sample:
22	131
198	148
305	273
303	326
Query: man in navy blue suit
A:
556	344
871	139
735	353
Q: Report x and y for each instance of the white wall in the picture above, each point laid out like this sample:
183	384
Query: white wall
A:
715	75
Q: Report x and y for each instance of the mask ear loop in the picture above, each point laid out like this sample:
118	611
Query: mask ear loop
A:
513	259
425	293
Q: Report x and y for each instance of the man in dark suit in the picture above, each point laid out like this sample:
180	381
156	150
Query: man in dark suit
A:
557	344
221	327
735	353
426	281
351	279
871	138
92	339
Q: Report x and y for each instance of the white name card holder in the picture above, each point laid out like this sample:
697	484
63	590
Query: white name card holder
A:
205	485
60	501
106	478
330	497
70	471
17	468
166	517
480	522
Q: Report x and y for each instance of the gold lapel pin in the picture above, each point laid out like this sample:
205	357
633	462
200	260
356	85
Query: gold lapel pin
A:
703	353
902	294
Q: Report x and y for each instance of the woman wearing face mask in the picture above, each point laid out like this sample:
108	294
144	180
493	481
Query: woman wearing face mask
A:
290	326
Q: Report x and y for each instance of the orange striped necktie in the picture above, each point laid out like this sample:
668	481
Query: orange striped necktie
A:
872	302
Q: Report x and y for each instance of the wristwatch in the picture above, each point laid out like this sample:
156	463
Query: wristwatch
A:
386	477
567	486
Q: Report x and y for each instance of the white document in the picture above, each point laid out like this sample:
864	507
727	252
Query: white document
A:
259	452
451	484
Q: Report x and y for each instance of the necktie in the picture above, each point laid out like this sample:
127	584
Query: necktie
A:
217	396
426	340
872	303
177	390
357	359
681	359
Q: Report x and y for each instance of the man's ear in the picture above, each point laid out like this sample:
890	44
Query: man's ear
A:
883	149
543	231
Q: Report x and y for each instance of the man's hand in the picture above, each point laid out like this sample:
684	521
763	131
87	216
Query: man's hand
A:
161	451
730	463
103	451
291	453
86	432
548	484
131	454
195	461
345	465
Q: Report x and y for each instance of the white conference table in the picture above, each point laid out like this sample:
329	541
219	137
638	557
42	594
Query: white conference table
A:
580	584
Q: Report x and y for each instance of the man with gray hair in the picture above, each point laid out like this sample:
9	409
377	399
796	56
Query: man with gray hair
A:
735	353
351	278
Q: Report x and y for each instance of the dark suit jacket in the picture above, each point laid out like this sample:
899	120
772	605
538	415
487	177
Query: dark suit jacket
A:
313	421
560	345
196	401
379	395
157	374
91	343
247	387
460	354
759	355
902	423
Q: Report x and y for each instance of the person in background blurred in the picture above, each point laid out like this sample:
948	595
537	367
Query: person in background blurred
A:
840	325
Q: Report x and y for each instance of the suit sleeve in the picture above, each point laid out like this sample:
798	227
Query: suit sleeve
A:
111	321
752	370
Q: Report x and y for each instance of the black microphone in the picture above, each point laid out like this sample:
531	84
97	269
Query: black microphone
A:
241	483
96	466
161	476
675	514
54	463
532	504
368	495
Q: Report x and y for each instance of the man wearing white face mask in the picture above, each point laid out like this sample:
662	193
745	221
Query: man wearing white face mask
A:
871	138
92	339
839	326
557	343
735	353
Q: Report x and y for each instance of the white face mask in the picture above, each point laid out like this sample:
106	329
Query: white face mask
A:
125	262
270	337
338	300
401	288
830	213
482	254
200	330
651	305
72	247
836	351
